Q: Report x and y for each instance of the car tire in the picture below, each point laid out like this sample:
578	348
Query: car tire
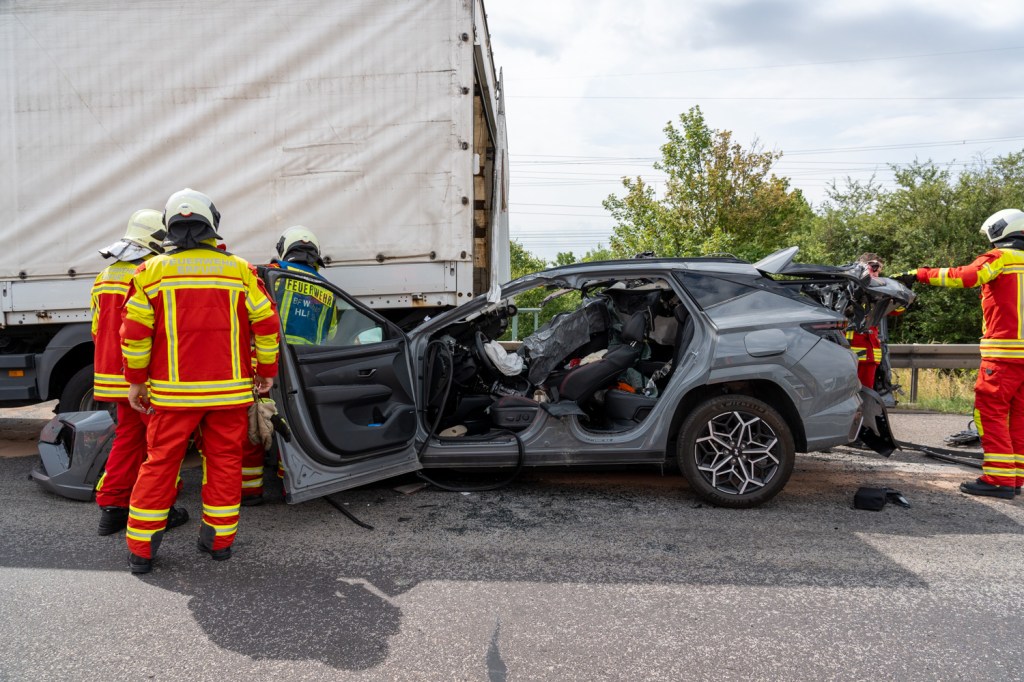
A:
77	394
735	451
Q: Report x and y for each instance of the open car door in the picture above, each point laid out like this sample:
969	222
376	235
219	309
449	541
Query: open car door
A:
346	390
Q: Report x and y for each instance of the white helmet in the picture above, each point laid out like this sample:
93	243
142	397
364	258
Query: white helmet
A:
1002	224
142	237
190	205
300	238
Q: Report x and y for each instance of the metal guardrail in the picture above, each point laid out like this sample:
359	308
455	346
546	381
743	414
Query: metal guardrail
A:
934	355
917	356
515	321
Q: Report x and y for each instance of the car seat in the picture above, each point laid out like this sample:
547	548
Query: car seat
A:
514	413
624	408
580	383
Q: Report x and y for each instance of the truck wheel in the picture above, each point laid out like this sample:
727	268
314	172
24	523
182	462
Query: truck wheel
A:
77	393
735	451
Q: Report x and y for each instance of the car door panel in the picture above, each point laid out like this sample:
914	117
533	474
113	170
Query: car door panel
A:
348	401
329	395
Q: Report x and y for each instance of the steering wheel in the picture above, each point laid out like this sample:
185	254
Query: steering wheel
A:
479	341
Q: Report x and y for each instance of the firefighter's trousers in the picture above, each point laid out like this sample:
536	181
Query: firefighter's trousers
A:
866	373
126	456
999	415
222	432
252	468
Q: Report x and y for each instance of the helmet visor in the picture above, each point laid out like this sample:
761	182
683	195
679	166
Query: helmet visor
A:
125	250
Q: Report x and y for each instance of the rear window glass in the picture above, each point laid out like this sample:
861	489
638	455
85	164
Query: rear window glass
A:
709	290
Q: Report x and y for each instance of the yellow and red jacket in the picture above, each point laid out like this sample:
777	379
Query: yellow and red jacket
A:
107	297
866	345
190	320
1000	274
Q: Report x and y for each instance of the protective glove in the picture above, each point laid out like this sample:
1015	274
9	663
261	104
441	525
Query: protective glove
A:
907	279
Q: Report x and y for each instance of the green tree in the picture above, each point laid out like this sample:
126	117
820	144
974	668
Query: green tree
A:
598	253
564	258
522	262
846	225
929	218
932	219
719	197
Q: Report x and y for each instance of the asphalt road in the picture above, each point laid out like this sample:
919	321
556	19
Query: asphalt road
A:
563	576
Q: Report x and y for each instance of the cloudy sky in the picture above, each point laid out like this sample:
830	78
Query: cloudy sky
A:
841	88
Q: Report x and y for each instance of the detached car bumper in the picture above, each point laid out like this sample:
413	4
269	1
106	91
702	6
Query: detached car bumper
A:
73	449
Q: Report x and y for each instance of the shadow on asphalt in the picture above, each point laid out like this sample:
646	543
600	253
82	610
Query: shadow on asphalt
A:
306	583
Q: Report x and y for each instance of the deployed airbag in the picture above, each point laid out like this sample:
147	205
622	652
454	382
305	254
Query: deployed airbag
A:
564	333
507	363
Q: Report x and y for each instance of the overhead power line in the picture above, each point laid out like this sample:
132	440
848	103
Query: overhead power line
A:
1000	98
860	60
570	215
517	203
578	159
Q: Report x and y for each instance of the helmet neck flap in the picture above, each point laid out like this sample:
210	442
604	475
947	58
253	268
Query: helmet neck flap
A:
305	253
189	234
1014	241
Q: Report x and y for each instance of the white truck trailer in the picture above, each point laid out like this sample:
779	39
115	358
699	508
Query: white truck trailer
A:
379	124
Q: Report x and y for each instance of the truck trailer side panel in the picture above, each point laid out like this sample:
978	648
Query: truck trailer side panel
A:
353	117
379	124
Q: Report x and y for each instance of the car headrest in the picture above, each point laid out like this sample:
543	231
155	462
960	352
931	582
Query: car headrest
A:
680	313
635	328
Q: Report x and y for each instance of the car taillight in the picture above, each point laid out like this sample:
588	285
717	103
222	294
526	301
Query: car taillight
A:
834	331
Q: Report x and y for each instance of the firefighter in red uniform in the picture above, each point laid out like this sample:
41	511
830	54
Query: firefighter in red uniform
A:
190	318
999	391
866	344
308	317
142	240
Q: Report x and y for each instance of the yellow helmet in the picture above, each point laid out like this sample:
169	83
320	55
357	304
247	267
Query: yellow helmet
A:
143	237
299	243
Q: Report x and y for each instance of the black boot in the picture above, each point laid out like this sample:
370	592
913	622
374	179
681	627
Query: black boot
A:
979	487
215	554
138	564
252	500
1016	491
178	516
112	520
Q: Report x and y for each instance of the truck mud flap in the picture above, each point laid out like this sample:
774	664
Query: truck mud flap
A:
875	431
73	449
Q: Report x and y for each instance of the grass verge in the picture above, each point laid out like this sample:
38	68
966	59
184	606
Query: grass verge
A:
941	390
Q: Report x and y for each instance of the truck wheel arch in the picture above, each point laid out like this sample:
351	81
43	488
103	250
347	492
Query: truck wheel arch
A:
68	351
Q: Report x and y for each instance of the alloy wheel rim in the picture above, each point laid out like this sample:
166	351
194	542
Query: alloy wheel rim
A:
735	453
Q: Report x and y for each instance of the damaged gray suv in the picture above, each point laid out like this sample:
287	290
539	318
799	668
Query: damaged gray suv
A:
723	368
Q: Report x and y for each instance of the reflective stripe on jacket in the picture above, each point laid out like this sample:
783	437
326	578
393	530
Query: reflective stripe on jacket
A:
107	298
189	323
1000	274
866	345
